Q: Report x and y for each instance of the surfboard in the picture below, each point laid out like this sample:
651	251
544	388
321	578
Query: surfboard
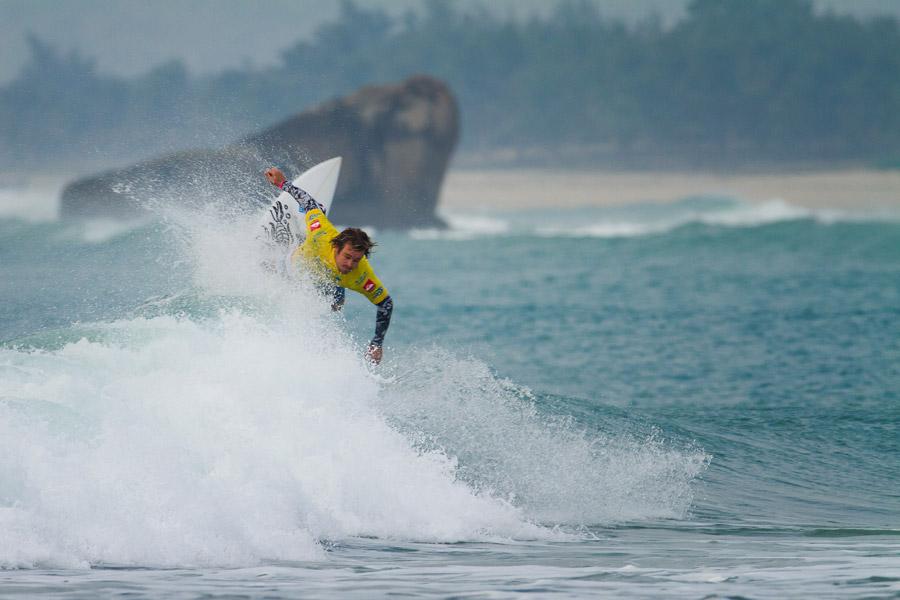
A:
282	223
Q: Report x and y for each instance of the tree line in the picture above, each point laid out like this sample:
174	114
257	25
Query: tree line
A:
734	80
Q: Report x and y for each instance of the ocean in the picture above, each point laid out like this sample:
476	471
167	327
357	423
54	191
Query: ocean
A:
697	399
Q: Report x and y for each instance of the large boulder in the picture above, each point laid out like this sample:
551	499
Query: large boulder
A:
396	141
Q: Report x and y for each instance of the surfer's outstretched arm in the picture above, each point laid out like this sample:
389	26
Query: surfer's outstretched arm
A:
382	322
306	202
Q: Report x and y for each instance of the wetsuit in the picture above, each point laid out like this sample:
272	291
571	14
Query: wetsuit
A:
317	252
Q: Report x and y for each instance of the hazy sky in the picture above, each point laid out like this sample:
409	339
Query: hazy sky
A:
127	37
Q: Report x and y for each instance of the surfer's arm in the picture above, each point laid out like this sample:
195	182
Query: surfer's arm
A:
382	321
306	202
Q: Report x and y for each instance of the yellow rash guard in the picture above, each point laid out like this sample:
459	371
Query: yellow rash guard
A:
317	252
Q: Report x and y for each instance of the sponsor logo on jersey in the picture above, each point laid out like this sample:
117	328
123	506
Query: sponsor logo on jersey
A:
313	225
360	279
369	285
378	292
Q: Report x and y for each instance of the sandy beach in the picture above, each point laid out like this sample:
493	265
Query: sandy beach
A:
528	188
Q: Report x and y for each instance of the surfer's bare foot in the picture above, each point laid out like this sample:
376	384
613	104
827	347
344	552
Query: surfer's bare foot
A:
275	176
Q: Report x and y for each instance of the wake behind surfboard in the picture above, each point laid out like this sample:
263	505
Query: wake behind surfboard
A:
281	226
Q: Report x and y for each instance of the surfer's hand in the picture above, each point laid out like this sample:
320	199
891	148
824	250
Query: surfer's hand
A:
275	176
374	354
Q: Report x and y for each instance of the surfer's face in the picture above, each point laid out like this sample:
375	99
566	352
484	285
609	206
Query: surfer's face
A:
347	258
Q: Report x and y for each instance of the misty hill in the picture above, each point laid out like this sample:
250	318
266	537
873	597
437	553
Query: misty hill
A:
733	82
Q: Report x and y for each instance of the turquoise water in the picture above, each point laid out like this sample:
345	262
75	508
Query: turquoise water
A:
688	400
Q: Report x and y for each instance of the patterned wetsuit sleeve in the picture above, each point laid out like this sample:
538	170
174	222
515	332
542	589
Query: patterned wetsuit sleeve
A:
306	202
339	295
382	320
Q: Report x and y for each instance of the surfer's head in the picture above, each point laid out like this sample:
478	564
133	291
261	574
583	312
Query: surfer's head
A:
350	246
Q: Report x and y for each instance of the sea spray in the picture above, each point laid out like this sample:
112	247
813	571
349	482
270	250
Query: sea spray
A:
554	469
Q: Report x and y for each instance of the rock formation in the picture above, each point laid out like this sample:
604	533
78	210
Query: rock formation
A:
396	141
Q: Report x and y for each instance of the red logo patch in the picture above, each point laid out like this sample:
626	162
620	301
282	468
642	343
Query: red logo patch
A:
314	225
369	285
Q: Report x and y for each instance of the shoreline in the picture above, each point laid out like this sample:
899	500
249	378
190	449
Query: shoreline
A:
517	188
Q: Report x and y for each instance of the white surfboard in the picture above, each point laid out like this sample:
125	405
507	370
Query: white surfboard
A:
282	224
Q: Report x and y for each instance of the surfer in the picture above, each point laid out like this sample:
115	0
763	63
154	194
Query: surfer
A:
340	258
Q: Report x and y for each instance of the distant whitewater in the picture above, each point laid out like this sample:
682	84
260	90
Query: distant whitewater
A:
641	219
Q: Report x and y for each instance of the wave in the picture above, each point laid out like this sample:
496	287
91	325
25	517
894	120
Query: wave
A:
170	442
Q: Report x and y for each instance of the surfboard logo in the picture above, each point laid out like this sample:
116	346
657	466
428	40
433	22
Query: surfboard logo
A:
314	225
369	285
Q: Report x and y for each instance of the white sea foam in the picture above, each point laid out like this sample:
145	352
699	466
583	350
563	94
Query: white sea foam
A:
604	229
753	215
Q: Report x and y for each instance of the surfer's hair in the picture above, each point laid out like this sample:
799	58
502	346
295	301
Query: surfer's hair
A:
357	238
